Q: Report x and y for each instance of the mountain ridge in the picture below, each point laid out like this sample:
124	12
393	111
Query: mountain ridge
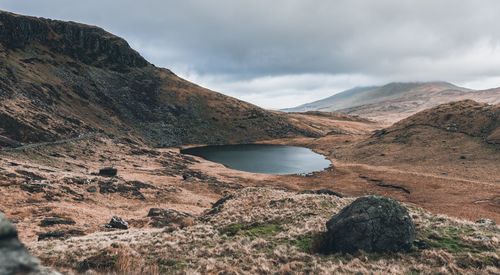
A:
397	100
63	79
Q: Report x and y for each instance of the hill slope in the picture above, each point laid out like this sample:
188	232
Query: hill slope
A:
458	138
63	79
395	101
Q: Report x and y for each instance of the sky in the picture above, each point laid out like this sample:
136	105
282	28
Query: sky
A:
283	53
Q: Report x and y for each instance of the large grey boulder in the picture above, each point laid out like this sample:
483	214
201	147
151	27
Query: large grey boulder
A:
14	257
372	224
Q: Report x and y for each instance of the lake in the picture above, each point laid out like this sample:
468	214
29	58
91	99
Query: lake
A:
263	158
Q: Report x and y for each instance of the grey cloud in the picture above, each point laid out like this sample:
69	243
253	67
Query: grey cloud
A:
243	42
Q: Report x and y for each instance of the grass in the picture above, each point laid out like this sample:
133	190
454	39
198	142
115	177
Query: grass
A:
305	243
251	236
251	230
450	239
166	265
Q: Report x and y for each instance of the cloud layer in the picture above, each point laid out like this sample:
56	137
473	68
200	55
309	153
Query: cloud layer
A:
282	53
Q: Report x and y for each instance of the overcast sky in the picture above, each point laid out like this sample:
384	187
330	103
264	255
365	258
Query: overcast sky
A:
283	53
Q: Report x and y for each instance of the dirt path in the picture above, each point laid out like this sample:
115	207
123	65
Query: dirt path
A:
42	144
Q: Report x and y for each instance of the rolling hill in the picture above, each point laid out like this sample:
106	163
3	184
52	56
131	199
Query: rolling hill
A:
395	101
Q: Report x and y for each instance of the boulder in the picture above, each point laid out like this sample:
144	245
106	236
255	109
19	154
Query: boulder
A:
118	223
14	257
108	172
372	224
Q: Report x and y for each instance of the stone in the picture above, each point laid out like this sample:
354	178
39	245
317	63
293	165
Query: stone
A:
371	224
117	222
219	204
33	187
323	191
129	190
108	172
102	262
485	222
14	257
60	234
50	221
169	217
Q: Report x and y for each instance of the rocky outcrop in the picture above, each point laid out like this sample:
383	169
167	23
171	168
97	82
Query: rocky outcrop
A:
51	221
372	224
169	218
117	222
14	257
108	172
87	44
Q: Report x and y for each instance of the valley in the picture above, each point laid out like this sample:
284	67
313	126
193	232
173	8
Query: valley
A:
93	177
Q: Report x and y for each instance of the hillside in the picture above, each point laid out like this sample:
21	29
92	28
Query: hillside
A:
61	80
395	101
458	138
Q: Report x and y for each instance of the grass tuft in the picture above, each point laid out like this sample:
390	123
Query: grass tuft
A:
251	230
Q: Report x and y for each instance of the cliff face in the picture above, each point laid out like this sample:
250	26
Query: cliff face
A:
87	44
63	79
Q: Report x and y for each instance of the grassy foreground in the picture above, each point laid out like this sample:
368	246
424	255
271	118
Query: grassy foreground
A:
263	230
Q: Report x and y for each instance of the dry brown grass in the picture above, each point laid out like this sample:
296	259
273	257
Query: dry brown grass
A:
268	231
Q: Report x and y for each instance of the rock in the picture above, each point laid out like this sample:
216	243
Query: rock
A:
50	221
14	257
372	224
31	175
56	155
108	172
169	217
78	181
6	141
219	204
421	244
103	262
59	234
485	222
130	190
322	192
33	187
118	223
90	45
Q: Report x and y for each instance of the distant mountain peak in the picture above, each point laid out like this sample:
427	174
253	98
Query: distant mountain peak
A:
395	100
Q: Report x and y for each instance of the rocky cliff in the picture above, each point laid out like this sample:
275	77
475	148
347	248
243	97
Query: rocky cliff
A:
60	80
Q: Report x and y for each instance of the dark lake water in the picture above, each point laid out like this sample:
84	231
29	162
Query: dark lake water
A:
259	158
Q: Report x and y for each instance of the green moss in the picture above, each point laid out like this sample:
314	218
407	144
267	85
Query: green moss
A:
251	230
232	229
451	239
304	243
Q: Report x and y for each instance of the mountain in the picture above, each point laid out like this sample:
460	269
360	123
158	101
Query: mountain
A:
396	101
61	80
345	99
